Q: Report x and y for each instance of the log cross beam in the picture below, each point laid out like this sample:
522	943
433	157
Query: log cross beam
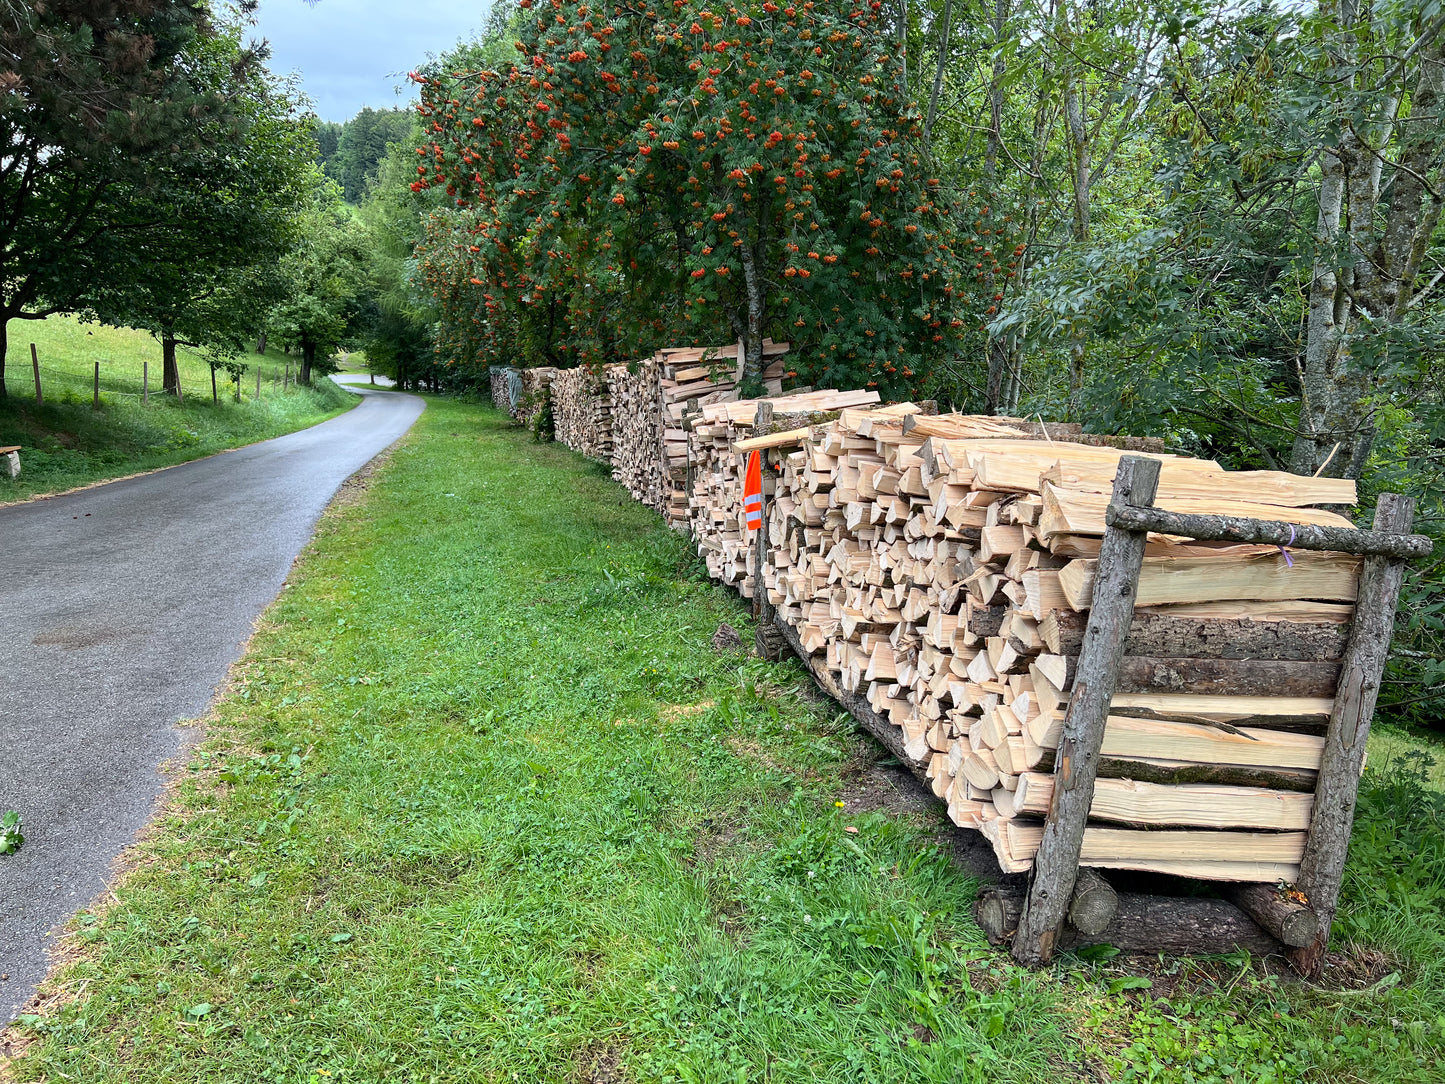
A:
1299	536
1056	866
1323	864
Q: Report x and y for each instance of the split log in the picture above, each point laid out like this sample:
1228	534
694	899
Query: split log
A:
1166	580
1165	636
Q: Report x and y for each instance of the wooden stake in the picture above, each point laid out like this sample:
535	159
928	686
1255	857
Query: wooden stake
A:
1056	865
214	397
1323	864
95	401
145	383
258	381
35	364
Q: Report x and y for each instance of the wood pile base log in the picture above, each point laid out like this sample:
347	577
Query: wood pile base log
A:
1142	924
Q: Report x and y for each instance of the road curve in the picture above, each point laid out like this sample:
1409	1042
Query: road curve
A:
121	608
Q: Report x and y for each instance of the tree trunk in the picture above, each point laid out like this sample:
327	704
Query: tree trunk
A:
308	358
1357	267
1081	177
261	343
750	331
170	371
942	59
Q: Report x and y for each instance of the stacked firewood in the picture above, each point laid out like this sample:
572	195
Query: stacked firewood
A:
506	387
941	567
714	506
582	412
650	400
637	432
535	384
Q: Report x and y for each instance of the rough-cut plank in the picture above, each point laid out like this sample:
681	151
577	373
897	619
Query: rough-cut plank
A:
1069	512
1265	487
1084	726
1225	677
1142	924
1126	738
1168	851
1349	730
1127	801
1172	637
1232	528
1164	580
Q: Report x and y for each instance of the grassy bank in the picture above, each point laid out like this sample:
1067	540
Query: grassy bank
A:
483	804
67	443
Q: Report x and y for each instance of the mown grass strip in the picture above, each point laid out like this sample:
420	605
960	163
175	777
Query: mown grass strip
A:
484	805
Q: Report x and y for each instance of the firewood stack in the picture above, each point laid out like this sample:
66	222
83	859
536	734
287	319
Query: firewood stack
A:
535	386
714	508
582	412
942	568
506	387
650	400
637	432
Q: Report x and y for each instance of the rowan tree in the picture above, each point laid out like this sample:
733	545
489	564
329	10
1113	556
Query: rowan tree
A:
678	171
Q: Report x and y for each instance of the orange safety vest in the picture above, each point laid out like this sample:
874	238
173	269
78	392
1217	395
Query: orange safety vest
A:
753	492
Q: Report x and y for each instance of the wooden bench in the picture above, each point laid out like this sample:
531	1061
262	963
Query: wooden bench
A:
11	453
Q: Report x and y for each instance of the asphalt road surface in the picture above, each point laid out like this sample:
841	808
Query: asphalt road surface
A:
121	608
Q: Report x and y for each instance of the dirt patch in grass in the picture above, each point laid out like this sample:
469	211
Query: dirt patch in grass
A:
354	489
600	1063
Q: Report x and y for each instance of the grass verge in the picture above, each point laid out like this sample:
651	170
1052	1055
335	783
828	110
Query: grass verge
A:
484	805
67	443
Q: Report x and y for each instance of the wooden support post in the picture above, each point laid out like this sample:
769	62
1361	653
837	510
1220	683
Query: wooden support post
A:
258	381
35	364
1056	866
145	383
214	397
95	400
1323	864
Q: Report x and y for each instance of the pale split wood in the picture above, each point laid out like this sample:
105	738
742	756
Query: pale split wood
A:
1084	725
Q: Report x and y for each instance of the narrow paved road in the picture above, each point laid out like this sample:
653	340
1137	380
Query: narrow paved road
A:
121	609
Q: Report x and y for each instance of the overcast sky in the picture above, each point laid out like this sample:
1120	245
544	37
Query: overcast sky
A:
352	53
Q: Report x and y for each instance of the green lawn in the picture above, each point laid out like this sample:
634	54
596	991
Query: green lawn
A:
67	443
483	804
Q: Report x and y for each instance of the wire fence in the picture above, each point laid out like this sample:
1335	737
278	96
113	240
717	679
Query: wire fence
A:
110	379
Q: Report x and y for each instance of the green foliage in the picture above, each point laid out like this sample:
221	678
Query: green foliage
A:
325	281
199	261
11	832
362	144
641	177
98	110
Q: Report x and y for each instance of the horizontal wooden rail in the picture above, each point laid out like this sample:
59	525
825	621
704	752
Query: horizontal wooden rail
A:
1299	536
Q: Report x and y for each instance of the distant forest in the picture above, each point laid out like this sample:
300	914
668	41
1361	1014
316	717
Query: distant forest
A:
351	153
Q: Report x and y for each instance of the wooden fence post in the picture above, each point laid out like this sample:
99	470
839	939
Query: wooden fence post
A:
145	383
1116	581
95	401
258	381
1327	845
214	397
35	364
